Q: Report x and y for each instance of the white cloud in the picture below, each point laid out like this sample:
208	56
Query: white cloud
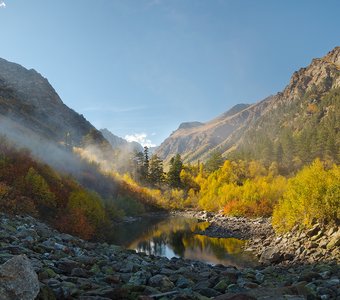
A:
140	138
2	4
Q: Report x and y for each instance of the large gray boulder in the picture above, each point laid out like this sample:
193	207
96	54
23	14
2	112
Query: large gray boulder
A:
270	255
18	281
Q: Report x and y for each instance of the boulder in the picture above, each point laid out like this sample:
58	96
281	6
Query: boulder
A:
313	231
67	265
222	285
183	282
208	292
270	255
162	282
309	276
139	278
18	281
334	241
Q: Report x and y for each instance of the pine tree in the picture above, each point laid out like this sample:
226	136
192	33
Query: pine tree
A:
214	162
156	173
145	166
138	166
176	166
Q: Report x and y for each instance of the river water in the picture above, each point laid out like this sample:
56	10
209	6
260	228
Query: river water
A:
176	236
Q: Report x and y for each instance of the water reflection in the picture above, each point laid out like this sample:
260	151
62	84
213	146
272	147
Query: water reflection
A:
175	237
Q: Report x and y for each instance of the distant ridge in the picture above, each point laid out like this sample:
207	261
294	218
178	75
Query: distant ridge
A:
120	143
232	131
187	125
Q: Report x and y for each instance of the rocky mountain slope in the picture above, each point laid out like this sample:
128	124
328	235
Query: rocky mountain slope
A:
193	140
33	116
232	130
31	107
119	143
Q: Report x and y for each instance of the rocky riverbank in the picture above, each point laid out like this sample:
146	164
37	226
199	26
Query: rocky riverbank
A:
37	261
222	226
318	244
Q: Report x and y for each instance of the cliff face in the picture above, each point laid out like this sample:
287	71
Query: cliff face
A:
230	130
322	72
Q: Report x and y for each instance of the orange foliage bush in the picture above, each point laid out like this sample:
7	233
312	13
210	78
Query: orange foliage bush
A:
76	223
261	208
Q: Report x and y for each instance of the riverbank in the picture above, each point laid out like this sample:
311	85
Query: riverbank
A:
223	227
36	259
318	244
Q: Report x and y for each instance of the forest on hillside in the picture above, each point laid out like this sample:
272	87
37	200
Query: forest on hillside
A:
289	171
294	134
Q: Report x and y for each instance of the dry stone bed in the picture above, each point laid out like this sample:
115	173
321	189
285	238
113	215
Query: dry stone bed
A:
66	267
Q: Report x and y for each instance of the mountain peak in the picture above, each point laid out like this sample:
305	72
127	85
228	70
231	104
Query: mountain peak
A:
187	125
322	72
234	110
333	56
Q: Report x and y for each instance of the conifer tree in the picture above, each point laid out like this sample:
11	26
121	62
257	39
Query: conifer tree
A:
145	166
214	162
176	166
156	173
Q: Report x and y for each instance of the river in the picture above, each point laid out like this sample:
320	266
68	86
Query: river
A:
175	236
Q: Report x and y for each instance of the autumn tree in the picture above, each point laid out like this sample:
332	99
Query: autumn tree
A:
38	190
90	204
188	181
311	195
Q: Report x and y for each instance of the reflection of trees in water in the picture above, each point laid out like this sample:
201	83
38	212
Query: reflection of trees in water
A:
156	245
125	234
176	241
145	246
157	236
220	247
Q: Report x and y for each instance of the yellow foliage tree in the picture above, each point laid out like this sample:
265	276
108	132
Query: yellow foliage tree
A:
38	190
312	195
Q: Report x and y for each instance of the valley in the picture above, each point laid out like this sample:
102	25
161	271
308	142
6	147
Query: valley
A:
245	205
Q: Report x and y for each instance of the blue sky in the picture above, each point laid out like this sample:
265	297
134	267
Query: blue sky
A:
144	66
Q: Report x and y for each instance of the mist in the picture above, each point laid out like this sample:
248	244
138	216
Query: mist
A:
61	158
